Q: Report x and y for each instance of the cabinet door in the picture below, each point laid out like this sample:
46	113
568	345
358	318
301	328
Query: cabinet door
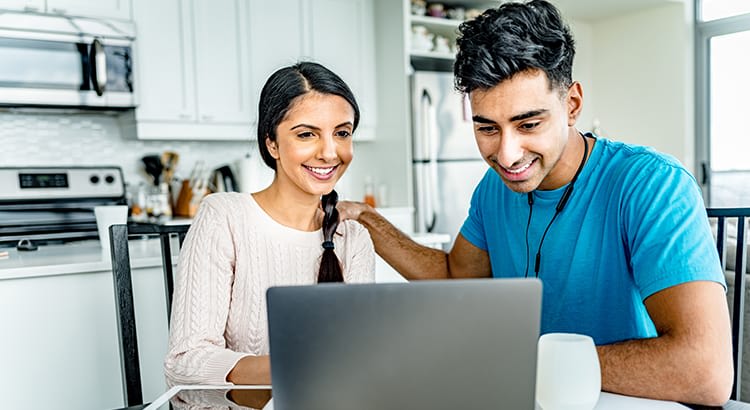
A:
22	5
222	61
276	30
116	9
165	83
343	40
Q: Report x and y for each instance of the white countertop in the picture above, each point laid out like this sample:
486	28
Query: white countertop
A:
74	257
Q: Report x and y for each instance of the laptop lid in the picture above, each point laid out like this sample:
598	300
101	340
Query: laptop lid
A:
452	344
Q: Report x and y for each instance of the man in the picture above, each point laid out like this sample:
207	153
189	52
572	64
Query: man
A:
617	233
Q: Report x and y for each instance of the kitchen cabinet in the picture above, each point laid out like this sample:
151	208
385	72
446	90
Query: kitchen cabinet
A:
115	9
60	329
342	36
193	74
201	66
336	33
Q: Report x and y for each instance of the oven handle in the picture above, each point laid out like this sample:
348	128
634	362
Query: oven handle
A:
98	61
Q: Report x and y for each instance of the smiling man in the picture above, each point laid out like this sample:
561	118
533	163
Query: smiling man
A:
617	233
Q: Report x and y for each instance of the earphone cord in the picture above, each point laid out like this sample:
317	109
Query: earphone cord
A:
558	209
528	223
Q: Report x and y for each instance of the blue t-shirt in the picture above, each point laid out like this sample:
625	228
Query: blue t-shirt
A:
635	224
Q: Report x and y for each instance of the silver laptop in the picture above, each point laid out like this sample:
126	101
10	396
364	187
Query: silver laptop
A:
455	344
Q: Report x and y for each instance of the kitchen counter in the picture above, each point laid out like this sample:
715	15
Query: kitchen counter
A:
73	258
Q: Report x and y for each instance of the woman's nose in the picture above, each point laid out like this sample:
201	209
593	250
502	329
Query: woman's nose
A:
327	149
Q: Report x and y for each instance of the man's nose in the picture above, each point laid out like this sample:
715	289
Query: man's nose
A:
509	150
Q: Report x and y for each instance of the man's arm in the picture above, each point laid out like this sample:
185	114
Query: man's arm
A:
691	359
411	259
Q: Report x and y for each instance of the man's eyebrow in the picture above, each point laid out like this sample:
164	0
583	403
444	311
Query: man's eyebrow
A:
519	117
480	119
528	114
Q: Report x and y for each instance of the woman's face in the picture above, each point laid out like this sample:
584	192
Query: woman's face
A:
313	144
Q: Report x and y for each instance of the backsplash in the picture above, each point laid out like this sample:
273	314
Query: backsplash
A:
95	139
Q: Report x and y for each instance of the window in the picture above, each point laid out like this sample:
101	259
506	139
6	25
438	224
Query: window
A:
722	90
718	9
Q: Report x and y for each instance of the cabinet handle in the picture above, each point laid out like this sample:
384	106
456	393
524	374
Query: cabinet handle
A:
58	11
207	117
185	116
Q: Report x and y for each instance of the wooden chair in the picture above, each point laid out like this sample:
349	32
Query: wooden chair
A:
121	270
724	215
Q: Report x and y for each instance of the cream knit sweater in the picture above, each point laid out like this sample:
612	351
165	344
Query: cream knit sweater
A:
233	252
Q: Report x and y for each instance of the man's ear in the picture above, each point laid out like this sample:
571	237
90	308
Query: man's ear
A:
575	102
273	149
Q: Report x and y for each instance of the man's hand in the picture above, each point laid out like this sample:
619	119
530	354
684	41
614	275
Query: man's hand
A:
352	210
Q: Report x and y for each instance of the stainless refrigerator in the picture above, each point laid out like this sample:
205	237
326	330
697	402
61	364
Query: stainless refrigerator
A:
446	160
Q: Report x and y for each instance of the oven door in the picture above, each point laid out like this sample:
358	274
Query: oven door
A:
65	71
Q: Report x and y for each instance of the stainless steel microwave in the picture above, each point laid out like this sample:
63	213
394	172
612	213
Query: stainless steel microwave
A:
60	61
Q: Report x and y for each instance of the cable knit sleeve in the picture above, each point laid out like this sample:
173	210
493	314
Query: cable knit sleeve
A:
361	254
203	284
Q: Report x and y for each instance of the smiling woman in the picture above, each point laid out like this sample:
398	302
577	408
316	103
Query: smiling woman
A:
287	234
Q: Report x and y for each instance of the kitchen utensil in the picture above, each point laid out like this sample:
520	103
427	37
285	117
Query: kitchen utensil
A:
153	167
169	160
223	180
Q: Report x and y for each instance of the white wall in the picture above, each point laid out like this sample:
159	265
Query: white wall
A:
583	70
642	82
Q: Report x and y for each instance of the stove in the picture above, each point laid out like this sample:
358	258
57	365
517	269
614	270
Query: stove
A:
48	205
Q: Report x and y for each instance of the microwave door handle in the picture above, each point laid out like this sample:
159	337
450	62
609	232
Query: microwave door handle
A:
98	60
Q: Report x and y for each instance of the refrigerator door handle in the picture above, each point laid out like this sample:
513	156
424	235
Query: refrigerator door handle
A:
433	200
431	137
421	146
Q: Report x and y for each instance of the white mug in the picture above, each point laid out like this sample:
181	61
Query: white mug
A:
568	376
106	216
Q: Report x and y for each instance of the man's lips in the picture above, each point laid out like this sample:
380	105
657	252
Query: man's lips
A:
518	173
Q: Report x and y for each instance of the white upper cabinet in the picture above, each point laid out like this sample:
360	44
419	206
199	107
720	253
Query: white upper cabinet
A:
23	5
343	40
164	52
277	38
193	70
222	61
201	65
116	9
336	33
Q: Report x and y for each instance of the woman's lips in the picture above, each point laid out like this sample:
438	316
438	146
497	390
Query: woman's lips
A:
321	173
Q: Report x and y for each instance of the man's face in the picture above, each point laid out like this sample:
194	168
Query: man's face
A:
522	128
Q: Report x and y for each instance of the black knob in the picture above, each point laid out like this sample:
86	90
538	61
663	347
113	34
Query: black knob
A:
94	179
109	179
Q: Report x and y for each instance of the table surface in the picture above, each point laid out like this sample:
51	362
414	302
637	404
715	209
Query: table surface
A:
607	401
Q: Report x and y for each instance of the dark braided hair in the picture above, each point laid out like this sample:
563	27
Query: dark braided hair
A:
279	93
513	38
330	269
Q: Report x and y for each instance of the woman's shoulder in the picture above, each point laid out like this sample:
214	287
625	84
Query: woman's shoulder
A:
227	201
353	231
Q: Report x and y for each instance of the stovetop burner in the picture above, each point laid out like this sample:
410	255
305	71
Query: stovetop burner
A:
55	204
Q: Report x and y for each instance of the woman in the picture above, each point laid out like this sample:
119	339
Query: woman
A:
239	245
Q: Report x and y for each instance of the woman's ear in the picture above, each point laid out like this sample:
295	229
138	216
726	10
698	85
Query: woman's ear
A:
575	102
273	149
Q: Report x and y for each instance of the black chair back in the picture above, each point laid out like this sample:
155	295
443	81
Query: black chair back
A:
121	270
723	215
